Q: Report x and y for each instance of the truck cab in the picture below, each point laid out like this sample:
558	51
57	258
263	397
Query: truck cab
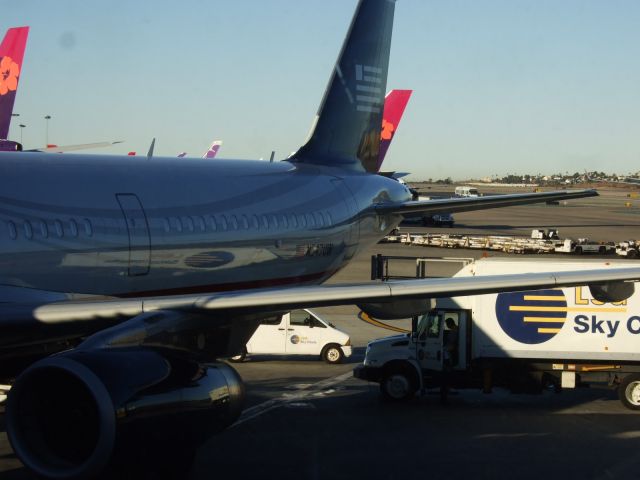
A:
299	332
403	364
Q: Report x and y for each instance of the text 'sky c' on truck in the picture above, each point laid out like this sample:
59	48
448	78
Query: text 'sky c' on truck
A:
525	341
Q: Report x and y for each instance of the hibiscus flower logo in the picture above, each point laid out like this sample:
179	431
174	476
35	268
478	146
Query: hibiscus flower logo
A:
387	130
9	73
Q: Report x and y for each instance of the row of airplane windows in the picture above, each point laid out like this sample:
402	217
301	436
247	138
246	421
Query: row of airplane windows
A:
245	222
56	228
73	228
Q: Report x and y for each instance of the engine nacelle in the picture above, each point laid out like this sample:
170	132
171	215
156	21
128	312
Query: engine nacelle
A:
76	414
10	146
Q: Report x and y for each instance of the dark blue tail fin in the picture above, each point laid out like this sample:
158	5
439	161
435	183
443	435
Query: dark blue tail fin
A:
346	130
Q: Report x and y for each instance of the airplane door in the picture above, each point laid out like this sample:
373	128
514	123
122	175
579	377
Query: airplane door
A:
353	234
138	230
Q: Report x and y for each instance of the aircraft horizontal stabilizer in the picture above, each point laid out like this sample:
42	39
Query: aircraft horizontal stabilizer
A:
466	204
71	148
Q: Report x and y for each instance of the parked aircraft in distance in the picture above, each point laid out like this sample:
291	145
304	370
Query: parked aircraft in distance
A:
394	104
142	274
211	153
11	55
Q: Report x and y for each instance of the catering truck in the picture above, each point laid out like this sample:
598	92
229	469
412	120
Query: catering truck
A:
526	341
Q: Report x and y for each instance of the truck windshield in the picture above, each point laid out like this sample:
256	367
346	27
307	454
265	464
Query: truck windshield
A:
429	325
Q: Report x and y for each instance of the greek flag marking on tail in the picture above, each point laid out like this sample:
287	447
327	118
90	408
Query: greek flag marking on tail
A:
367	79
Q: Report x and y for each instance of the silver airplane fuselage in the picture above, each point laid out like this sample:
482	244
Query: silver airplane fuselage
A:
132	226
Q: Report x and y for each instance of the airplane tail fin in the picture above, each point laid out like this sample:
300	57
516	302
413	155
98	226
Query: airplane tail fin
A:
11	55
213	149
394	105
346	130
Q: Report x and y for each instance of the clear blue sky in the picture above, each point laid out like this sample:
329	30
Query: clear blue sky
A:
501	86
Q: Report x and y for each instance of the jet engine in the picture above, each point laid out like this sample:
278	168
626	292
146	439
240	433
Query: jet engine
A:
84	412
10	146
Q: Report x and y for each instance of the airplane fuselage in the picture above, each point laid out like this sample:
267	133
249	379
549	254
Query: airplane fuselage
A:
132	226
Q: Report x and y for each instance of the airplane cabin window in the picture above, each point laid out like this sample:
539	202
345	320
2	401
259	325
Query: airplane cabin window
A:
223	222
234	222
187	223
255	223
73	228
88	229
293	221
244	222
13	233
44	231
283	221
211	222
199	222
176	224
310	221
274	222
28	230
59	230
302	221
318	216
265	222
166	225
327	219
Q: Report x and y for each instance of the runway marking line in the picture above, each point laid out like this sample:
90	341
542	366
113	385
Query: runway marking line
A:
311	390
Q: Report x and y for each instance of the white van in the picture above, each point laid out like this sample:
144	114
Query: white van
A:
466	192
299	332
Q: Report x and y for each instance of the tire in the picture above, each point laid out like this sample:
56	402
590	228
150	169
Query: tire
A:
398	385
332	354
629	391
578	250
240	357
602	250
632	254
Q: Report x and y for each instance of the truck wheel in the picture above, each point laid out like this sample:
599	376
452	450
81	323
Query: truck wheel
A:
240	357
578	250
629	391
397	385
332	354
632	254
602	250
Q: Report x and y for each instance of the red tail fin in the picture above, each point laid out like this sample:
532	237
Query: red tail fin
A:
394	105
11	55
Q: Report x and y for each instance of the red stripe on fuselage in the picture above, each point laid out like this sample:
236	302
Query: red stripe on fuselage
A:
226	287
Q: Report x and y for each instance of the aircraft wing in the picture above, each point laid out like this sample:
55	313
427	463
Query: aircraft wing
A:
283	299
465	204
70	148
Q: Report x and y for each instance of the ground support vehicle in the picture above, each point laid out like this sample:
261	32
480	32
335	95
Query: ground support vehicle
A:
525	341
438	220
299	332
629	249
584	245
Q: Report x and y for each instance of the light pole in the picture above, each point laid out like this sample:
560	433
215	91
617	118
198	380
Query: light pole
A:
47	118
21	128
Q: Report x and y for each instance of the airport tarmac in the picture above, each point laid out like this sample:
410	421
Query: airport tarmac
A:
309	420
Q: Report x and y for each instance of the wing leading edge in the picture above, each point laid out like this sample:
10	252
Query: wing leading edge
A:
465	204
279	299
